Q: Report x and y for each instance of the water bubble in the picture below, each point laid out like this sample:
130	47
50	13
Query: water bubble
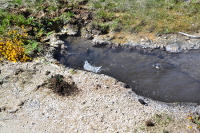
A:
157	65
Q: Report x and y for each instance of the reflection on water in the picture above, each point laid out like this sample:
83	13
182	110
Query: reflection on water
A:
158	75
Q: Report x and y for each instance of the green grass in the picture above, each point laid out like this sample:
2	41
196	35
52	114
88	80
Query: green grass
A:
158	16
162	119
16	2
8	20
32	46
72	71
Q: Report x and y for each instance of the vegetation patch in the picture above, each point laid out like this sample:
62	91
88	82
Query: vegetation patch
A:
61	87
24	24
12	47
162	119
40	18
156	16
195	118
72	71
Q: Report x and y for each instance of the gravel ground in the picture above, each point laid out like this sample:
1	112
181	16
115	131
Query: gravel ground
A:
102	104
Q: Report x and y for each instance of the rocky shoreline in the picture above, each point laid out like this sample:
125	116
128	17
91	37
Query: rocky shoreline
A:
171	43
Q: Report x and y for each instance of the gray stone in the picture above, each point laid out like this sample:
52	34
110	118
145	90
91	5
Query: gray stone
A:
173	48
69	29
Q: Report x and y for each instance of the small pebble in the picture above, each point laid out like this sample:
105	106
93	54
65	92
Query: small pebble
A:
142	102
126	86
149	123
47	72
1	82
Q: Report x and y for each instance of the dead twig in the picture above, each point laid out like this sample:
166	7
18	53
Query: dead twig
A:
190	36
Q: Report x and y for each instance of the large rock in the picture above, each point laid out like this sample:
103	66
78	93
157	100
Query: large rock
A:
69	29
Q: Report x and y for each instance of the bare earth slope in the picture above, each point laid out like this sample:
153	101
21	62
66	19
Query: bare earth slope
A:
102	105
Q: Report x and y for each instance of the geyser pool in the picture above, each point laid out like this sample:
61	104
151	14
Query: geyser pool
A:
156	75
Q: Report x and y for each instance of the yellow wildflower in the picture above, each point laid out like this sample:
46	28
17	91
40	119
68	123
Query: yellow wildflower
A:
190	127
12	48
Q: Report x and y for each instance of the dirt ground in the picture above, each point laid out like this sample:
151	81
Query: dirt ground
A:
100	105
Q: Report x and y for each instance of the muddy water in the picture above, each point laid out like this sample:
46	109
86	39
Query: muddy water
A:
157	75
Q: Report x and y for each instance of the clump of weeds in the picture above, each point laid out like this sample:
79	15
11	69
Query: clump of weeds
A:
195	118
61	87
72	71
162	119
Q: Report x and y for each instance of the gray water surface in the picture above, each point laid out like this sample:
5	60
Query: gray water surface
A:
156	75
